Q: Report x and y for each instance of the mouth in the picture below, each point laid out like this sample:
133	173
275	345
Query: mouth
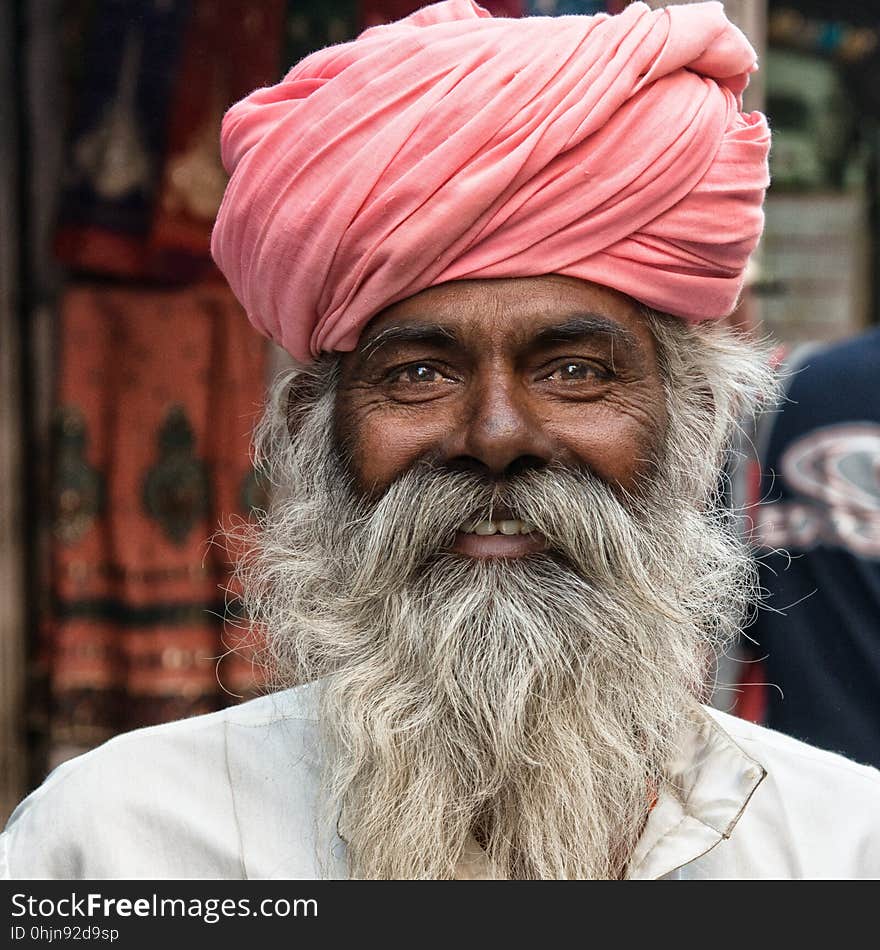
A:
503	536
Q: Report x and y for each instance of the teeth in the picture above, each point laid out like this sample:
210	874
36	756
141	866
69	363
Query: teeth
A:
506	527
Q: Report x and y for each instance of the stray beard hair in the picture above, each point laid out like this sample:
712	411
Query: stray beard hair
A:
532	703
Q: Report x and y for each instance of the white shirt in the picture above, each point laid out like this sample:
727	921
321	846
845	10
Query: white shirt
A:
233	795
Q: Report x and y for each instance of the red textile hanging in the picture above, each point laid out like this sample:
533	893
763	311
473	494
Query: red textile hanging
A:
157	394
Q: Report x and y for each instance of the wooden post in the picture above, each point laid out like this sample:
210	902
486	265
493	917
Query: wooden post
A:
12	526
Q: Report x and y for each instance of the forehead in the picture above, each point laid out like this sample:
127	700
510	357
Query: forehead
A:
515	312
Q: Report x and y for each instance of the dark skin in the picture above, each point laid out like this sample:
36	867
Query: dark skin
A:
497	376
500	375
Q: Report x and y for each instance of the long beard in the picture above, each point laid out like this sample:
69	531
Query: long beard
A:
534	702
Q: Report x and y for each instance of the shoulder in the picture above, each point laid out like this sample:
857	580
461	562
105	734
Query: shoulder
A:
816	814
783	753
155	802
859	349
851	363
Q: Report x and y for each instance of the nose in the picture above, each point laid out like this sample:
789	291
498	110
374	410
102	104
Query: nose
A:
499	434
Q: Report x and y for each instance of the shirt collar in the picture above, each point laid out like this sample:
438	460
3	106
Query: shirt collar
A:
709	785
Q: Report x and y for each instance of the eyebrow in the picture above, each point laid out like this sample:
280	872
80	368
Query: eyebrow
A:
432	334
583	326
579	327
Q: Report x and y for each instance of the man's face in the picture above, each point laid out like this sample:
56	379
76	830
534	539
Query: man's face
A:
498	377
525	686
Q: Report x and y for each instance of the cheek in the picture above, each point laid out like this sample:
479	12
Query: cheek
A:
383	444
620	446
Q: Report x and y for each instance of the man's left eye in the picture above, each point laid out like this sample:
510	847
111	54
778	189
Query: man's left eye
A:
576	370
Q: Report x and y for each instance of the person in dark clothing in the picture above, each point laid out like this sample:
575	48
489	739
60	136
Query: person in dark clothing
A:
817	533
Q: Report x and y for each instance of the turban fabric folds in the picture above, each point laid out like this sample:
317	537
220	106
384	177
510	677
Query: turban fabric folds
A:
453	145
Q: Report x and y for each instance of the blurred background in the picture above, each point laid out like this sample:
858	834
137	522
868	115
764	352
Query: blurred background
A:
130	378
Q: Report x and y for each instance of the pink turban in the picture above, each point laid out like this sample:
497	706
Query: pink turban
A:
453	144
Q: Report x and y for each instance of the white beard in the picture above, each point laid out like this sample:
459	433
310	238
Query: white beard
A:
534	702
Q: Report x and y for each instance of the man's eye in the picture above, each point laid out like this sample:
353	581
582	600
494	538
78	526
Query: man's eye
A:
574	371
416	373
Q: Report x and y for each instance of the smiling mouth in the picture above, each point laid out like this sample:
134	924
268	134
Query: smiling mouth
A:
503	536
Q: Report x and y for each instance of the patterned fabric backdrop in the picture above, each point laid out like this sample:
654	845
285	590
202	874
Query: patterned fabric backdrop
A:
157	396
159	376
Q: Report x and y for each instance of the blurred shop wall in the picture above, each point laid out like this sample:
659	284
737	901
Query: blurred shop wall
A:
132	376
820	245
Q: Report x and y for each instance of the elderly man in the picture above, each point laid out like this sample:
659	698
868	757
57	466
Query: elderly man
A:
498	250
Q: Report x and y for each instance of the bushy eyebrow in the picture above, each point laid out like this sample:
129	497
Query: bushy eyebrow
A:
431	334
582	327
572	329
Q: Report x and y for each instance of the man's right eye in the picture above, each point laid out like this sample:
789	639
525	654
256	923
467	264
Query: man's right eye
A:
420	373
415	373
